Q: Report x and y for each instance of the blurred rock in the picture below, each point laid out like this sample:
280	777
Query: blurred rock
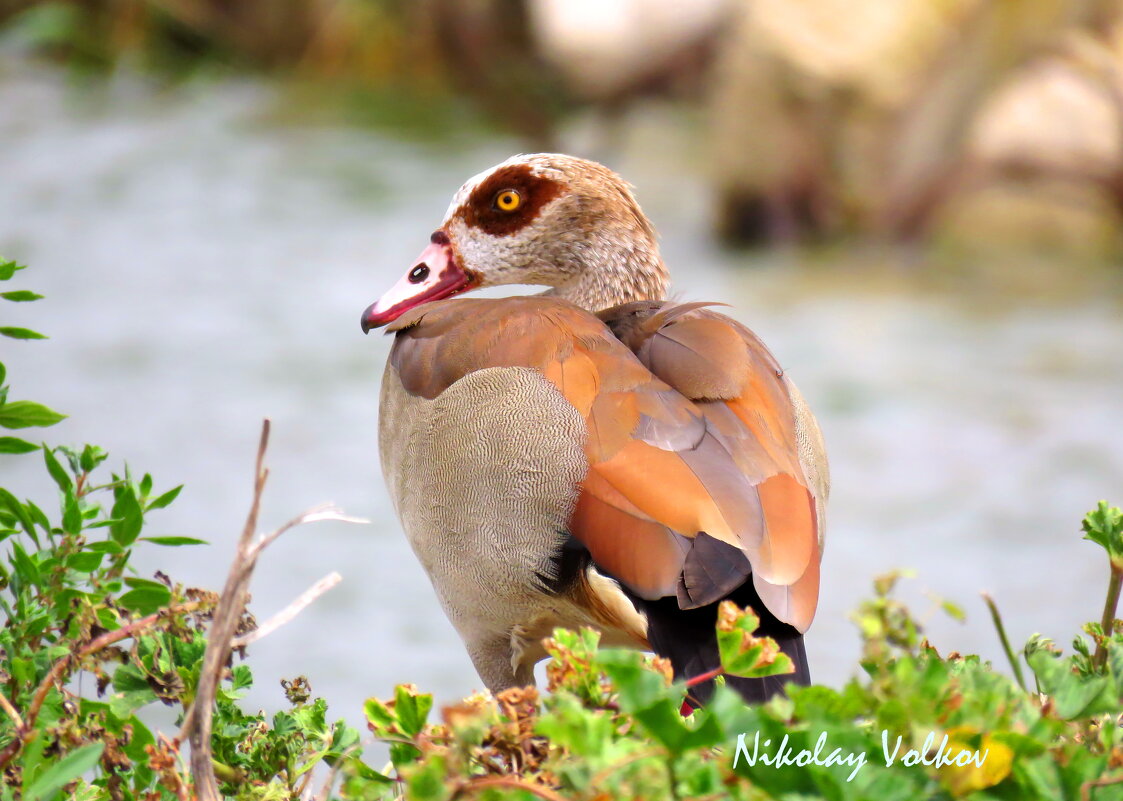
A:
608	49
870	116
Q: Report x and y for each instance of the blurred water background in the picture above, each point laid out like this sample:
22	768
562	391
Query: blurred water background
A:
207	222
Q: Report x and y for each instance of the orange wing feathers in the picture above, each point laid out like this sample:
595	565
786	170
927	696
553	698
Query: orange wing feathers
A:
738	386
694	478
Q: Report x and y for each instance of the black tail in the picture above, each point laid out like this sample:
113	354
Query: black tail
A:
688	638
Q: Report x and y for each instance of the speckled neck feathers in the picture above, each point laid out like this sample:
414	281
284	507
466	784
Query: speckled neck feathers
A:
619	275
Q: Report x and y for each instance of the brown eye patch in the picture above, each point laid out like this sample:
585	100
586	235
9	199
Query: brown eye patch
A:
480	210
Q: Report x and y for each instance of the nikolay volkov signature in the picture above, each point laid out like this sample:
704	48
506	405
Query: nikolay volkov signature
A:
785	755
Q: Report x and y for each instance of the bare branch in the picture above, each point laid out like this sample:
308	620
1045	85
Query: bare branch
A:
329	782
223	626
1001	629
317	514
6	705
198	722
325	790
1087	787
471	786
290	611
180	786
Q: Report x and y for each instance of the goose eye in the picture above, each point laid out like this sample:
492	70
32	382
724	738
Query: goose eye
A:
508	200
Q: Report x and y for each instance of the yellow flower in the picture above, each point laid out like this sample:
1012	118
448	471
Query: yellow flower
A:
979	761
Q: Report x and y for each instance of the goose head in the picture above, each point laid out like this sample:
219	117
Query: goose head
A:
544	219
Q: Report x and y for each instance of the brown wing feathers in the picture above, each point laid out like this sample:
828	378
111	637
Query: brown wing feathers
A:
693	480
737	385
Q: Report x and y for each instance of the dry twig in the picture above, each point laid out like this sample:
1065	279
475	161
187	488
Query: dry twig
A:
1087	787
290	611
197	725
510	782
11	712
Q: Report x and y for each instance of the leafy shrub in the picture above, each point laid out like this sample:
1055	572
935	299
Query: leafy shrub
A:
87	644
916	725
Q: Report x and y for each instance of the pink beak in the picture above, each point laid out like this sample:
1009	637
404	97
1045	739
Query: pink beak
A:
434	276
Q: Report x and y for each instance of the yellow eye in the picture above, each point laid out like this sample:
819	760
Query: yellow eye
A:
508	200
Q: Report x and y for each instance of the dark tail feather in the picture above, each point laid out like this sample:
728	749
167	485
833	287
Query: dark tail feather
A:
687	637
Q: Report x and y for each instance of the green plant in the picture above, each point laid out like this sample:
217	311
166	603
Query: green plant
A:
915	725
20	414
87	644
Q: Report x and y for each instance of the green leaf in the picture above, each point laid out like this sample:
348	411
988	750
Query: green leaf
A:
1075	696
174	541
16	445
66	770
127	517
8	268
412	709
9	501
24	414
403	754
742	654
32	759
165	499
25	568
664	722
142	736
343	739
85	561
378	715
147	599
23	670
20	295
357	773
953	610
91	457
21	333
71	458
71	513
125	704
1104	526
61	477
639	686
109	619
37	515
241	677
129	679
284	723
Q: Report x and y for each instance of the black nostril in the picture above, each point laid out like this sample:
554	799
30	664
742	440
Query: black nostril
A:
439	238
419	273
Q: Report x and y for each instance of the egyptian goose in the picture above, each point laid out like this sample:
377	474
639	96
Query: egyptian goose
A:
593	455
